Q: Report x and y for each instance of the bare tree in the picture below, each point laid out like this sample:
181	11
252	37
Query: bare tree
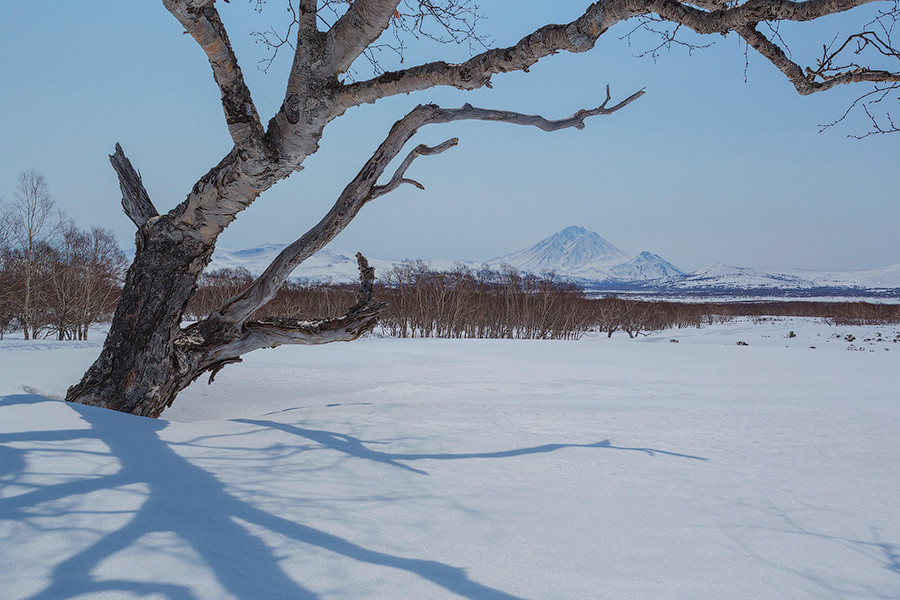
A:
103	267
148	357
7	310
33	221
83	274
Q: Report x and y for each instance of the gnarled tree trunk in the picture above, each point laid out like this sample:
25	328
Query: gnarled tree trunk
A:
138	370
148	357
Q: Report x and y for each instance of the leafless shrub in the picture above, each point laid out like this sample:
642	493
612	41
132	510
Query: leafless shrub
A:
463	303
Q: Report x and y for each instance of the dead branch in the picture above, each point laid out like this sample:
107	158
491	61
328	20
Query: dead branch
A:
275	331
398	179
135	199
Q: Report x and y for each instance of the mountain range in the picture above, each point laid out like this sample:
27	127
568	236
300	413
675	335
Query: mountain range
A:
583	257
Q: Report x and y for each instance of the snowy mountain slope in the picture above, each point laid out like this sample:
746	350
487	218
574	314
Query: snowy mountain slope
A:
645	266
719	276
572	249
580	255
325	265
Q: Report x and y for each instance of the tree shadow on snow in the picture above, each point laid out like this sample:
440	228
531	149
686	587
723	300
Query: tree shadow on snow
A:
783	523
191	503
357	448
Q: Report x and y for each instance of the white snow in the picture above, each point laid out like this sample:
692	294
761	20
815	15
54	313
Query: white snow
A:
481	469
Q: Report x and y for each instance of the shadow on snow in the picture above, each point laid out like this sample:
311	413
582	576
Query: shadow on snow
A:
190	502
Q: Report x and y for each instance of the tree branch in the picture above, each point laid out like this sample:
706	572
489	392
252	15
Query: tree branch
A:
805	82
201	20
728	18
365	188
398	179
580	35
135	199
577	36
360	26
271	332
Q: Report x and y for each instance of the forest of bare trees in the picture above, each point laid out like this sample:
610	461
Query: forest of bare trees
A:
56	279
464	303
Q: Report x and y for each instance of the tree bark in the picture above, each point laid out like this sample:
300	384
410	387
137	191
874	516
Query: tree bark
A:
138	371
147	358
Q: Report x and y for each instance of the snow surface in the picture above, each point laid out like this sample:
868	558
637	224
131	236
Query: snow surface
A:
481	469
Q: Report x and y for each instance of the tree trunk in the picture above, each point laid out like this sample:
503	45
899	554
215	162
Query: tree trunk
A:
139	370
148	358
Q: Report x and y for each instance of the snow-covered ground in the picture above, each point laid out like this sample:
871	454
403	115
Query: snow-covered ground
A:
481	469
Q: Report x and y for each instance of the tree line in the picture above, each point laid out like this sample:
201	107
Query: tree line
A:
485	303
56	279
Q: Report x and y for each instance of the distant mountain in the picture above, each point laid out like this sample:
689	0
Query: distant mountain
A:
573	248
645	266
325	265
583	256
792	282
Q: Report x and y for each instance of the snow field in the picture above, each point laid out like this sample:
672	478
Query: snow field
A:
603	468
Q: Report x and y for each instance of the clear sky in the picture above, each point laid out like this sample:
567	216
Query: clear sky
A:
704	168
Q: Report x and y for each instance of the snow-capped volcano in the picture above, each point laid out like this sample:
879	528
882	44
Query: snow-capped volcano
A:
571	248
578	254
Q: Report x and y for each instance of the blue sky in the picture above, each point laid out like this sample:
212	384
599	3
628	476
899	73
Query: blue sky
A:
703	168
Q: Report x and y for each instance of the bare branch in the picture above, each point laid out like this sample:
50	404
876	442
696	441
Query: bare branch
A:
469	112
581	34
805	82
135	200
273	40
879	125
666	33
365	188
398	179
577	36
271	332
201	20
729	18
